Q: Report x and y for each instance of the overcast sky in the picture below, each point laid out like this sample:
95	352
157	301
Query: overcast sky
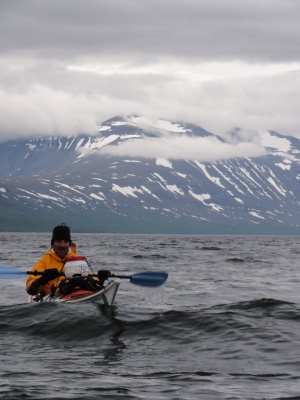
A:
67	65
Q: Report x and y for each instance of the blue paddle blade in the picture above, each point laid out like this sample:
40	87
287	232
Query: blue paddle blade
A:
9	273
149	279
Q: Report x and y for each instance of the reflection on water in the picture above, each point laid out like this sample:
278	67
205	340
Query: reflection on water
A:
113	353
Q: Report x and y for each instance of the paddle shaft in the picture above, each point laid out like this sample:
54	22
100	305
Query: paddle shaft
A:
36	273
121	276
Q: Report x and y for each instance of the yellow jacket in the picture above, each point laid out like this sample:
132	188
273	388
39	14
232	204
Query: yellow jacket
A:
49	260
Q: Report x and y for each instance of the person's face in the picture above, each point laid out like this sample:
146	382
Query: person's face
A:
61	247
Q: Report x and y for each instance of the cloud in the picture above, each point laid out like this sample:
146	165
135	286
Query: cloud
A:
66	66
53	99
249	30
45	112
184	147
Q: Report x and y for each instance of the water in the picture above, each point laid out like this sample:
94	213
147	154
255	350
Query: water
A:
225	326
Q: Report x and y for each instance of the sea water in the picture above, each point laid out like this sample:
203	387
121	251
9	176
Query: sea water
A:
226	325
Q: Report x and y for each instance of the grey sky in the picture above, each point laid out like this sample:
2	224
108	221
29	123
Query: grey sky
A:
67	65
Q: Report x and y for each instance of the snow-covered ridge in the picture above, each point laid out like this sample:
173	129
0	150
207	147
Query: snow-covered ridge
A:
156	125
178	141
76	175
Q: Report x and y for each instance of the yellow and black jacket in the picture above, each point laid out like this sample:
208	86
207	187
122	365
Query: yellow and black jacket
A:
49	260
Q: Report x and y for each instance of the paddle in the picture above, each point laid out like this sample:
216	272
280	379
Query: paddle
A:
9	273
147	279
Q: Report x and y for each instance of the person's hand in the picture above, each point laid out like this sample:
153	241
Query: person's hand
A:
48	275
85	282
80	282
103	274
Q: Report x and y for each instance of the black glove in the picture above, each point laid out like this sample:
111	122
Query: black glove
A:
89	283
103	274
48	276
79	282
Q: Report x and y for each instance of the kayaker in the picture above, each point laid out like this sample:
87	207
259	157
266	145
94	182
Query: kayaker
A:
52	266
52	263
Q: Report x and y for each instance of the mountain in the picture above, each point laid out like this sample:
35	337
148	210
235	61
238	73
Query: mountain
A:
74	179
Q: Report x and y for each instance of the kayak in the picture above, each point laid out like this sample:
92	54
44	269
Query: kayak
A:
104	296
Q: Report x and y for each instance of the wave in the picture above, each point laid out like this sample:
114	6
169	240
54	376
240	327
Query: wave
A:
154	256
86	322
214	248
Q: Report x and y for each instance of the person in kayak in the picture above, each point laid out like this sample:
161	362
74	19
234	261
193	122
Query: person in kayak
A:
52	267
52	263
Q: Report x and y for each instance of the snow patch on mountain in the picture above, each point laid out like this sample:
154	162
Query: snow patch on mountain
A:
103	128
284	166
157	125
163	162
276	186
200	197
215	180
98	143
118	123
275	142
100	196
239	200
126	191
255	214
174	189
